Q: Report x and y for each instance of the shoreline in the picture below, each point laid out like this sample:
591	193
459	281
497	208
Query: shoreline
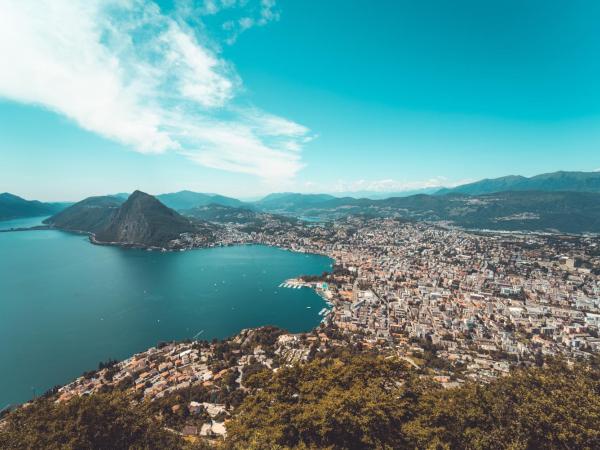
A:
315	321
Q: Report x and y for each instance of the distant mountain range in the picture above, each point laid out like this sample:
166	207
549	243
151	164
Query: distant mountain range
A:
14	207
89	215
379	195
141	220
549	182
187	199
573	212
221	213
290	201
562	201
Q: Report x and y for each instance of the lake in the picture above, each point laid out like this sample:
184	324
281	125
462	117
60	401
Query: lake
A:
26	222
66	304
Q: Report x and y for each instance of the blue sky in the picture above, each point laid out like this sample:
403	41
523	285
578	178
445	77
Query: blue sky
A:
254	96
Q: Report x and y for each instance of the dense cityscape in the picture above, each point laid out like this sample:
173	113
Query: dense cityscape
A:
462	305
483	298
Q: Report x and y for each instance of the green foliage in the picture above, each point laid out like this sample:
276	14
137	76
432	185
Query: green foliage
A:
12	207
342	401
348	402
369	402
265	336
551	407
101	421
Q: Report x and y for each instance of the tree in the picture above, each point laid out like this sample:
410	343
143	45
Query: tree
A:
552	407
366	401
349	402
101	421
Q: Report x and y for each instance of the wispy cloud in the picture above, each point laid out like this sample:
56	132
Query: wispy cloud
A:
134	74
266	12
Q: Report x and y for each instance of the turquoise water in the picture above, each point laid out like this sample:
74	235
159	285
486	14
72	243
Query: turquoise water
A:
21	223
66	304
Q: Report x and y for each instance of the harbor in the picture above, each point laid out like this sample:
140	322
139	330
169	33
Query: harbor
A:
290	286
319	287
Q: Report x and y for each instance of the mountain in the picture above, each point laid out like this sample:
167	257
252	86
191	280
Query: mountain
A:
141	220
572	212
122	195
551	182
14	207
144	220
380	195
288	201
187	199
221	214
90	215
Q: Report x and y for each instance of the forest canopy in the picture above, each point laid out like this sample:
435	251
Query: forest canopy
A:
346	402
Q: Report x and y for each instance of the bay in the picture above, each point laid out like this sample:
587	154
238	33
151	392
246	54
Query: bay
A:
25	222
66	304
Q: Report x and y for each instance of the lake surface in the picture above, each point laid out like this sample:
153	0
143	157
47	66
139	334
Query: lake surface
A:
66	304
26	222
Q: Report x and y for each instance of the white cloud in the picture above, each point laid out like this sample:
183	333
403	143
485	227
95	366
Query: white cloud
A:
266	12
130	73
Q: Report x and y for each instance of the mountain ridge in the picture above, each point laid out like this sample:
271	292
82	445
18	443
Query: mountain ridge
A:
572	212
551	182
88	215
186	199
143	220
140	221
14	207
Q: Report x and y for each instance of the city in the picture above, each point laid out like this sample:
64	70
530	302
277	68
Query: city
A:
461	305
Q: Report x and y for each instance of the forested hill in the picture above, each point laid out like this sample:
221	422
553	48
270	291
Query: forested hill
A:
144	220
183	200
548	182
341	401
15	207
89	215
141	221
573	212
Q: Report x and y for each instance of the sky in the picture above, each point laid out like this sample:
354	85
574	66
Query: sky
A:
247	97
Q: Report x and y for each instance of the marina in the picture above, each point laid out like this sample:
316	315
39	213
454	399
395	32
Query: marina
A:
319	288
290	286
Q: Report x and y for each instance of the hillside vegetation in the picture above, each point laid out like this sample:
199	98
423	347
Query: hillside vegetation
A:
14	207
347	402
89	215
370	402
555	181
187	199
571	212
141	220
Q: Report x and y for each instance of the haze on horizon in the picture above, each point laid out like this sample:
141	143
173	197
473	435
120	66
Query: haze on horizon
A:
243	98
